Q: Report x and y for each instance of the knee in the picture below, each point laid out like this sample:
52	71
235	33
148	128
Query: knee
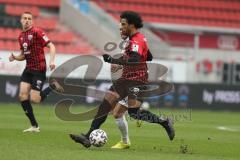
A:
134	103
23	97
111	97
35	99
117	115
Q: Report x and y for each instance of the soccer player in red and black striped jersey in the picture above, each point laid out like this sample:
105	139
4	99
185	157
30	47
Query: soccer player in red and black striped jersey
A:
32	41
135	73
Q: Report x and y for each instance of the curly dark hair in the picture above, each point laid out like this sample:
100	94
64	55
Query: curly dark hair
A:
132	18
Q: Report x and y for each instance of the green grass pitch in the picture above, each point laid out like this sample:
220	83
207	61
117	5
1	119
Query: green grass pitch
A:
197	137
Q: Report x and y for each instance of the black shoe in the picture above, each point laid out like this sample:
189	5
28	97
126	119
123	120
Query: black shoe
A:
81	139
168	126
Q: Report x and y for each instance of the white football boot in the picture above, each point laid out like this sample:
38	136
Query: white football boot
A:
32	129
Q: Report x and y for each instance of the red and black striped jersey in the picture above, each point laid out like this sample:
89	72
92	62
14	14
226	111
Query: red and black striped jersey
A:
138	72
32	43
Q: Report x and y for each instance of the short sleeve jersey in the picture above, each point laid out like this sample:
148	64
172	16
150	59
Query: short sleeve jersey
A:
32	43
138	72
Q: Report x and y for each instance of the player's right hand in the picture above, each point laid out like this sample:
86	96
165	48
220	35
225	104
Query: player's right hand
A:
107	58
11	57
52	66
115	68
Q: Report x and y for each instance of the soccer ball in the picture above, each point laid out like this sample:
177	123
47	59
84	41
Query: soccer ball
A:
98	138
145	105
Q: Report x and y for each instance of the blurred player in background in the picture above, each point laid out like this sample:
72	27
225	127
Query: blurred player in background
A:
121	107
32	41
135	73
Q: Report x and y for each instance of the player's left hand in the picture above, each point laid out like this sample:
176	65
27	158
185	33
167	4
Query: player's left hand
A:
52	66
11	58
107	58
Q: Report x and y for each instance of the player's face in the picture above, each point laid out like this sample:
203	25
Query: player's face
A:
121	32
124	27
26	21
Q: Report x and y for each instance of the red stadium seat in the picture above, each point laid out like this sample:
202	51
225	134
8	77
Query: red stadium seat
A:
61	37
2	33
65	41
42	3
9	33
210	13
18	10
46	23
2	45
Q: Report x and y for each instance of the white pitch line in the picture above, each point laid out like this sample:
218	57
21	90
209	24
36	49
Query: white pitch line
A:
223	128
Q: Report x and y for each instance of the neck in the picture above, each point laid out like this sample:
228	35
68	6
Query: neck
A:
133	32
26	29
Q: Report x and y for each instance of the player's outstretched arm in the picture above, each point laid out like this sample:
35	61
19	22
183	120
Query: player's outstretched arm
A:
52	55
19	57
135	57
115	68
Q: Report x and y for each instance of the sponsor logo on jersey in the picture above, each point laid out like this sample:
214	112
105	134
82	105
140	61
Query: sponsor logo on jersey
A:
25	46
135	47
45	38
30	37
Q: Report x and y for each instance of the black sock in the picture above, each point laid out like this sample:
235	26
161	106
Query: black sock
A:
44	93
145	115
101	116
27	107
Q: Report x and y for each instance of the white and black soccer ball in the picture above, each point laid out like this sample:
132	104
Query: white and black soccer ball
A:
145	106
98	138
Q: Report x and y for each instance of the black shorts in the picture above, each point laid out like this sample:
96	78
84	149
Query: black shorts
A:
35	78
122	87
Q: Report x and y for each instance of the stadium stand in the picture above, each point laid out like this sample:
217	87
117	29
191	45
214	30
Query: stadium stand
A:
46	17
207	40
204	13
208	13
42	3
